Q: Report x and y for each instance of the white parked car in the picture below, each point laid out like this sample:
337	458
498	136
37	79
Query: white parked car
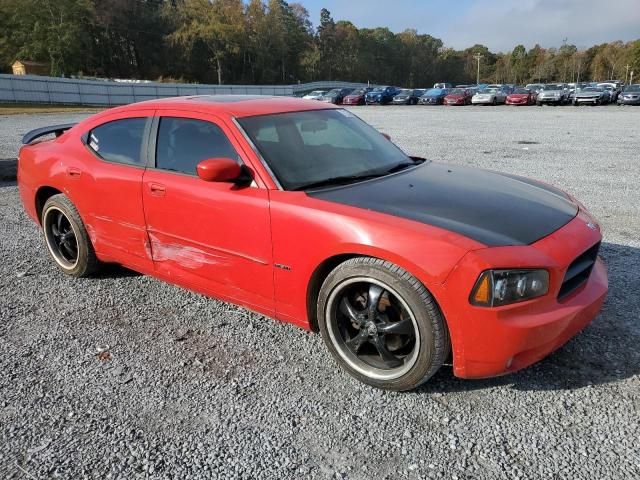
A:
553	93
315	95
489	96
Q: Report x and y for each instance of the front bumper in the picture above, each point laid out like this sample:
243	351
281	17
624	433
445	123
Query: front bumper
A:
592	100
628	101
549	100
454	101
494	341
430	101
517	101
482	101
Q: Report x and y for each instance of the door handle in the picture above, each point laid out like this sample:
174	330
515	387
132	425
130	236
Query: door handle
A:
157	189
74	172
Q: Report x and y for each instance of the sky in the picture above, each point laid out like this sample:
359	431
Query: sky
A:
498	24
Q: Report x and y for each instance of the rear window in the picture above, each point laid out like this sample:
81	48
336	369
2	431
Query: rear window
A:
119	141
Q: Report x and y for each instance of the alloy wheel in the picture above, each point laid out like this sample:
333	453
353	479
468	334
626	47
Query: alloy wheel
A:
372	328
61	237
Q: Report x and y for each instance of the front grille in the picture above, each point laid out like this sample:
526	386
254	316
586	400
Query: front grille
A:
579	271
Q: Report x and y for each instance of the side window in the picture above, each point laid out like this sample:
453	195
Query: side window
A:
119	141
185	142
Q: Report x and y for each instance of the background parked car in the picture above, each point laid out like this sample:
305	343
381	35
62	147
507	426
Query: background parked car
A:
459	96
434	96
521	96
534	87
356	97
553	93
591	95
443	85
630	95
612	89
336	95
381	95
407	97
315	95
489	96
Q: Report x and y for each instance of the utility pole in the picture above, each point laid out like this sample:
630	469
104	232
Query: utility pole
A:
478	57
626	75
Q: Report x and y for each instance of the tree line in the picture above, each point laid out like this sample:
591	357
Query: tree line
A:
269	42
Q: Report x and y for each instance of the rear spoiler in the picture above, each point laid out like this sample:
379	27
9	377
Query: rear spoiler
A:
41	132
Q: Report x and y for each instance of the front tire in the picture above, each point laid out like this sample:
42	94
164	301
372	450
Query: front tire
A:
381	324
66	237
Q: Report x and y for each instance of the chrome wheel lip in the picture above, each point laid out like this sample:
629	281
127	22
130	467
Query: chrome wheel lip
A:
51	243
347	355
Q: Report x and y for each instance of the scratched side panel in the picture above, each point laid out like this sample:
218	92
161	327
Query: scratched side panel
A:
212	237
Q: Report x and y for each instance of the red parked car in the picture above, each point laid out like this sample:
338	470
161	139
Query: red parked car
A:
301	211
357	97
522	96
459	96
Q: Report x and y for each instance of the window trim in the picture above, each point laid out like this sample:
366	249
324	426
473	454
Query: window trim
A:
143	144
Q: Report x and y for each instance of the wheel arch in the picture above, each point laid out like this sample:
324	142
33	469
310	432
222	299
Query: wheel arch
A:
42	195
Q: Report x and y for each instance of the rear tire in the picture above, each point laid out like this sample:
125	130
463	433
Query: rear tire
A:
381	324
67	239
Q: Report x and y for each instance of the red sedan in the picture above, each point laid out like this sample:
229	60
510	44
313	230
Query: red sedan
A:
459	96
303	212
357	97
522	96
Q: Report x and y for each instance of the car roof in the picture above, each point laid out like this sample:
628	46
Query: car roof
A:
231	105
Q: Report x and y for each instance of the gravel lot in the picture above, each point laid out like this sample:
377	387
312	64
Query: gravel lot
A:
123	376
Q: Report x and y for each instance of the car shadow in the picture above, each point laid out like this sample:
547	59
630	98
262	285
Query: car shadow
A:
606	351
8	183
114	271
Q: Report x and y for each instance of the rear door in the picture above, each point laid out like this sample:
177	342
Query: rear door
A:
209	236
111	177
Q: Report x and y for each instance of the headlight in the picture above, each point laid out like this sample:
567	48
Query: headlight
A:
495	288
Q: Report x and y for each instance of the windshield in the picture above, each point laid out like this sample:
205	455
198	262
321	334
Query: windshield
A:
335	91
378	89
592	89
522	91
632	88
404	93
304	148
552	87
457	91
317	92
361	91
433	92
489	90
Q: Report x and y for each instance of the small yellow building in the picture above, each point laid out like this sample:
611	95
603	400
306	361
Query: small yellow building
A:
27	67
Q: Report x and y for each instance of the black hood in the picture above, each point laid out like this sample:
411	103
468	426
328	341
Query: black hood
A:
492	208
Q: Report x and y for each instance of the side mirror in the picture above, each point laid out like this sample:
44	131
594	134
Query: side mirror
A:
386	135
219	170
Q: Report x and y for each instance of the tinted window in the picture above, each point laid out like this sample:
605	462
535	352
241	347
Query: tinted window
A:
119	141
185	142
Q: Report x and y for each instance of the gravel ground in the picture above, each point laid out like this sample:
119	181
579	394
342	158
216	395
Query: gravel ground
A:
123	376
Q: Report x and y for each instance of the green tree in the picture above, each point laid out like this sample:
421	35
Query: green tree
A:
217	25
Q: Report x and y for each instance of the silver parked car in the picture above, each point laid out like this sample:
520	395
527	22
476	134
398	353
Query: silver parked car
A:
315	95
630	95
592	96
489	96
553	93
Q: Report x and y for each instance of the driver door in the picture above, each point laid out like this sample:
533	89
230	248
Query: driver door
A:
213	237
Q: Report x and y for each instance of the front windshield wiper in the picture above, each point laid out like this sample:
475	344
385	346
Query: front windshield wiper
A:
341	180
347	179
